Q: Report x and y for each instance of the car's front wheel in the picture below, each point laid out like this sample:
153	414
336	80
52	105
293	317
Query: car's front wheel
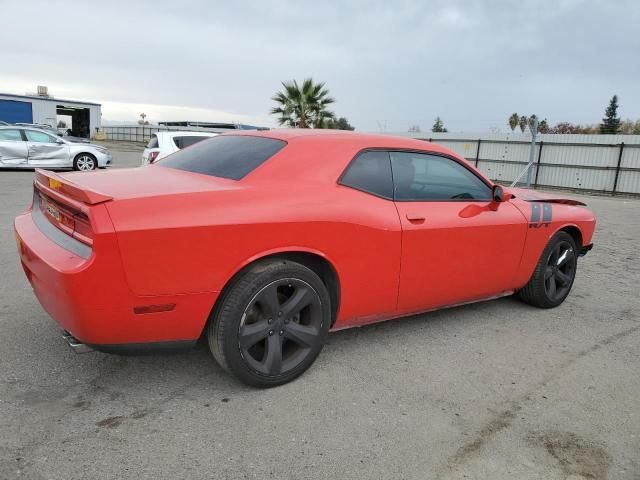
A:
84	162
555	272
271	323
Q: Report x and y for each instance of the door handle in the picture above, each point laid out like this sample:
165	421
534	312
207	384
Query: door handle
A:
415	218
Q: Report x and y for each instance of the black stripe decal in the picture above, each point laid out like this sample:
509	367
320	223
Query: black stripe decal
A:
546	212
535	212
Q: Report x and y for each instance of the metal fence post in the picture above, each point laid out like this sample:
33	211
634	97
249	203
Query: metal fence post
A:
478	152
535	182
615	180
533	126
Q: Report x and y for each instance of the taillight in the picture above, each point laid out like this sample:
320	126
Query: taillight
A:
74	223
153	156
82	230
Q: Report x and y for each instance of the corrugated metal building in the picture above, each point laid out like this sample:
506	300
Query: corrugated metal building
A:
85	116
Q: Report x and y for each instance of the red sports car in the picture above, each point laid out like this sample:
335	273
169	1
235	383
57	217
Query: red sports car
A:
265	241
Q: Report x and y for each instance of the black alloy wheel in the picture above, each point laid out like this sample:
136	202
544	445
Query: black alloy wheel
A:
554	274
271	323
560	271
280	326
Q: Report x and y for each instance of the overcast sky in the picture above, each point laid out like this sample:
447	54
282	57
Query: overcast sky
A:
393	63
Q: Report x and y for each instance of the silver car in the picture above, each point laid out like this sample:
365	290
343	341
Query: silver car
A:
26	147
52	131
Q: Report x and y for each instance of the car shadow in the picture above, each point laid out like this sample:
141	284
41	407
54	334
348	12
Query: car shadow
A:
196	370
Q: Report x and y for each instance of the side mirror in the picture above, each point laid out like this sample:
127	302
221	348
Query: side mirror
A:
497	194
59	142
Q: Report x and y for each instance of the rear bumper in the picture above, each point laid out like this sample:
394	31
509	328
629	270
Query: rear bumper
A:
90	298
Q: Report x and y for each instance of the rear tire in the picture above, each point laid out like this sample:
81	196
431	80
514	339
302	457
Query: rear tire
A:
555	272
271	323
85	162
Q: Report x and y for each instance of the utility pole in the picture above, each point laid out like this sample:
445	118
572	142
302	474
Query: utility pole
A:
533	126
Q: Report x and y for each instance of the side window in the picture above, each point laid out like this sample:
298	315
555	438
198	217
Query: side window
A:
188	141
371	173
420	176
40	137
10	136
184	142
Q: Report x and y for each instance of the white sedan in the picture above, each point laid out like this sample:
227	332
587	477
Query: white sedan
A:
162	144
25	147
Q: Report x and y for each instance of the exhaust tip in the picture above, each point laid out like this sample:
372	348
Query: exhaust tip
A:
75	344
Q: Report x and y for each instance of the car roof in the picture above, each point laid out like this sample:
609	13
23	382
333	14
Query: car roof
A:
315	155
25	127
363	140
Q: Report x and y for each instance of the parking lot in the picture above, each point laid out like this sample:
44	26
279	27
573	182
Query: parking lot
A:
491	390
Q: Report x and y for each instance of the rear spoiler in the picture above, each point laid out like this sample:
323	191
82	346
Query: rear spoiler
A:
53	181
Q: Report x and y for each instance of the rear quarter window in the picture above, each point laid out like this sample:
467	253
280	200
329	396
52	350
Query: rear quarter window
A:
370	172
231	157
153	142
10	136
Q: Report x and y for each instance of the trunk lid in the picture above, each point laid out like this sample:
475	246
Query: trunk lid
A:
128	183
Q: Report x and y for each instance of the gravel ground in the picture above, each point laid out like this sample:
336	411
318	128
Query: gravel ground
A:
490	391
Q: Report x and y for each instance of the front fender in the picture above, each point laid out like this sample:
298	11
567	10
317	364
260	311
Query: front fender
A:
545	219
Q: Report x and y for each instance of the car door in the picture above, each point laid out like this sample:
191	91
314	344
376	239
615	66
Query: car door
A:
13	148
457	244
46	150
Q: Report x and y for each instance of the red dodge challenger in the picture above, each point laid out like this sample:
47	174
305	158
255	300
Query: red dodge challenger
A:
265	241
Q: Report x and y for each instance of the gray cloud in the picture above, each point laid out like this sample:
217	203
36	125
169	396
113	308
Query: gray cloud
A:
472	63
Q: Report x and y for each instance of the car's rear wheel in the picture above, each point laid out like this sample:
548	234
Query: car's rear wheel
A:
555	272
271	324
85	162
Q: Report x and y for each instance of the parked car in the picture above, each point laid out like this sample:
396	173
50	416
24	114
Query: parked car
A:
24	147
162	144
264	241
73	139
42	126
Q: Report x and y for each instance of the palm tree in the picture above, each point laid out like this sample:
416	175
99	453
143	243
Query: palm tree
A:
524	121
303	106
514	119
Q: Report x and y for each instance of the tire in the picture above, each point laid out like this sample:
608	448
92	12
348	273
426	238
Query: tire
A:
555	272
271	323
85	162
